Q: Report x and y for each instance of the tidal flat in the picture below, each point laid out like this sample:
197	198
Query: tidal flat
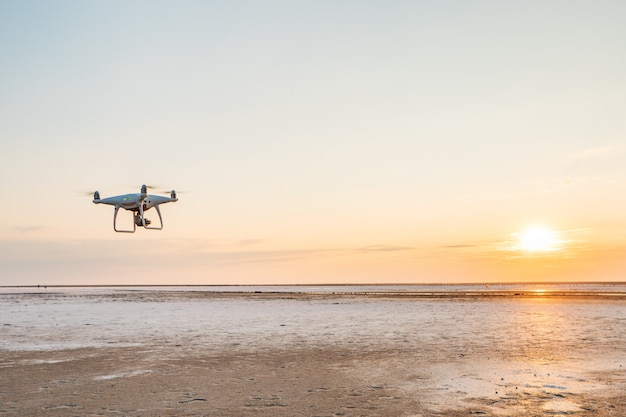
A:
156	352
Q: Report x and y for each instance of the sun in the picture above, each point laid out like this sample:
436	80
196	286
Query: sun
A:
538	239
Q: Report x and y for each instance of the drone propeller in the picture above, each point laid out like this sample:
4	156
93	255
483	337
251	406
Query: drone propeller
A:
86	193
149	187
169	191
172	192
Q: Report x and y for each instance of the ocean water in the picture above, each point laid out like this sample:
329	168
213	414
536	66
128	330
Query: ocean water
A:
61	318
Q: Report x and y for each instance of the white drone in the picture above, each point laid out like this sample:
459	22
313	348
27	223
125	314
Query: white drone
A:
138	203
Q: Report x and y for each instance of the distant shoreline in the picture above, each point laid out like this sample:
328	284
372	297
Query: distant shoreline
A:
612	291
474	284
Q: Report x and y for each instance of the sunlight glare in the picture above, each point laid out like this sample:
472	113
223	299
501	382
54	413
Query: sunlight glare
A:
538	239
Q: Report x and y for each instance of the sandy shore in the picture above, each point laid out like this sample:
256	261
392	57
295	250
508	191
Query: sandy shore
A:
327	382
342	377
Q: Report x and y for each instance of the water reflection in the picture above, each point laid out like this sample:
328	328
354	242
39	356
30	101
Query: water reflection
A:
539	332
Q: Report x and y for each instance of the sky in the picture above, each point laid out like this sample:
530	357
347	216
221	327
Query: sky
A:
314	141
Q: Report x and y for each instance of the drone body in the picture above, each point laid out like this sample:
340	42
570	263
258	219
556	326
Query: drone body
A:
138	203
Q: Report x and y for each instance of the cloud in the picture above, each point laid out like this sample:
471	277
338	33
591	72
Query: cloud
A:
460	246
592	153
249	257
28	262
250	242
384	248
28	229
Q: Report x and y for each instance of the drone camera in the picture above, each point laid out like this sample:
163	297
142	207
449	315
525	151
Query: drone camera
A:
139	222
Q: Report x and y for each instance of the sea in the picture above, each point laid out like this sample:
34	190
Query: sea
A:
41	318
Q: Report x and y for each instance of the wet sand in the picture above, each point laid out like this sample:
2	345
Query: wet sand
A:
467	371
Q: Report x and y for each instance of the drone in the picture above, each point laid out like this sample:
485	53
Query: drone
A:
138	203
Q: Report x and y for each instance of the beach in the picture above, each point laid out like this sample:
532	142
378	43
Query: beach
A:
208	353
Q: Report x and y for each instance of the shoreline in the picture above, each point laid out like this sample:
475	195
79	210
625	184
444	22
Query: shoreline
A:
310	295
356	284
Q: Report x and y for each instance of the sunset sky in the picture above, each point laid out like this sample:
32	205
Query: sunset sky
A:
314	141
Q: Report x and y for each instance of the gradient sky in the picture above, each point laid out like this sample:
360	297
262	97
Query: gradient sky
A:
317	141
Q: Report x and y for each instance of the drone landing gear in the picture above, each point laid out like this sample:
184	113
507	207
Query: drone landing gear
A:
145	222
117	208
